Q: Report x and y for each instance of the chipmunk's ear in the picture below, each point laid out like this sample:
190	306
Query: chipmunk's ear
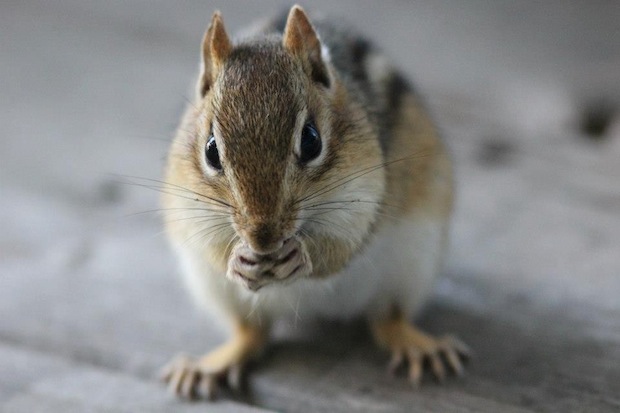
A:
215	49
301	40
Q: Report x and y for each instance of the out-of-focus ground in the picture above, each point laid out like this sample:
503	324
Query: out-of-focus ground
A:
527	95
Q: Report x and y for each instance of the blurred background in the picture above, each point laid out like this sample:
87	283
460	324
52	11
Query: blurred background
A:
527	95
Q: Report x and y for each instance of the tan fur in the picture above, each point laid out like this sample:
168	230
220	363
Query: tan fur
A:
422	181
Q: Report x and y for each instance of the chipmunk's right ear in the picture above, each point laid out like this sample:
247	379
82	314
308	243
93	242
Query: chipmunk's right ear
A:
302	40
215	49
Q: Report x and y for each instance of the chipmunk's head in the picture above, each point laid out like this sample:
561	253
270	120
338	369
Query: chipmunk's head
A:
277	158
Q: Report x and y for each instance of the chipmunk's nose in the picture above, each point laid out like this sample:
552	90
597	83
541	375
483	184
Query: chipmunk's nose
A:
265	239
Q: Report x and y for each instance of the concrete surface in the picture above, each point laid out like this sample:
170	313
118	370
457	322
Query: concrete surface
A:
90	303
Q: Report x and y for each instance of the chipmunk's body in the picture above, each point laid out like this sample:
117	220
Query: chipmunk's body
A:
307	181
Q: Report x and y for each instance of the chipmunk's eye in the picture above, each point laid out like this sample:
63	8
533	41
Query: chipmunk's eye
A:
212	154
311	144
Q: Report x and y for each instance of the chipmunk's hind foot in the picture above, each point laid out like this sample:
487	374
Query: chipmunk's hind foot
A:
413	348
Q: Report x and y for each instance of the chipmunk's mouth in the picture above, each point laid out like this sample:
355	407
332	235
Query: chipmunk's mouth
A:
256	271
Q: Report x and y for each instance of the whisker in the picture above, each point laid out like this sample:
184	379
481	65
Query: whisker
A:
191	102
348	205
177	211
199	219
356	175
214	233
330	209
159	138
232	240
162	190
202	233
311	240
331	224
168	191
352	201
296	310
255	301
178	187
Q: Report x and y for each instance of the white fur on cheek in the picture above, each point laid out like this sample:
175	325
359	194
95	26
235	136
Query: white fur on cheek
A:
346	210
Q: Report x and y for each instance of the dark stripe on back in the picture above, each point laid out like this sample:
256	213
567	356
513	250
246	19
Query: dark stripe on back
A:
396	87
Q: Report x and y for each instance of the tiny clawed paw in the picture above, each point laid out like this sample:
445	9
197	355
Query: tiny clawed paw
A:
448	351
186	378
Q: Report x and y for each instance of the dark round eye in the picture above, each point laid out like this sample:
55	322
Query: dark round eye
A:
311	144
212	154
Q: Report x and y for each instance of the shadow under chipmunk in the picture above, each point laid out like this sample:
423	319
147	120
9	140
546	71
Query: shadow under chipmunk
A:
344	362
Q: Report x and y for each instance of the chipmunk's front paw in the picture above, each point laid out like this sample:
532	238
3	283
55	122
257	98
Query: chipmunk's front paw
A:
192	378
410	346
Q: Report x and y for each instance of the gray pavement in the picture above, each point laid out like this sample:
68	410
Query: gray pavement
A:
90	299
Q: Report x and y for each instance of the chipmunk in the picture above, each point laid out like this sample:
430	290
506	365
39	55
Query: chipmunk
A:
306	179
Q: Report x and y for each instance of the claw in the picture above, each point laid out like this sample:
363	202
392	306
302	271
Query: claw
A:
185	379
461	348
208	386
190	378
175	381
189	384
169	369
415	367
454	361
234	377
437	366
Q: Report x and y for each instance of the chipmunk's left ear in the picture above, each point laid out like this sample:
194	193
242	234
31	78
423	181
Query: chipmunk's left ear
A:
215	49
301	40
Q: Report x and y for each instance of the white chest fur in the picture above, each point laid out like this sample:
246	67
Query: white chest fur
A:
397	267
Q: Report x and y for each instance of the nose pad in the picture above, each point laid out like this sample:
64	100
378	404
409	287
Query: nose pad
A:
264	240
264	250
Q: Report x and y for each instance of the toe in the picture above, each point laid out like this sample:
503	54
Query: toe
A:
208	387
168	371
176	380
188	384
461	348
415	366
234	377
397	360
437	366
453	360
